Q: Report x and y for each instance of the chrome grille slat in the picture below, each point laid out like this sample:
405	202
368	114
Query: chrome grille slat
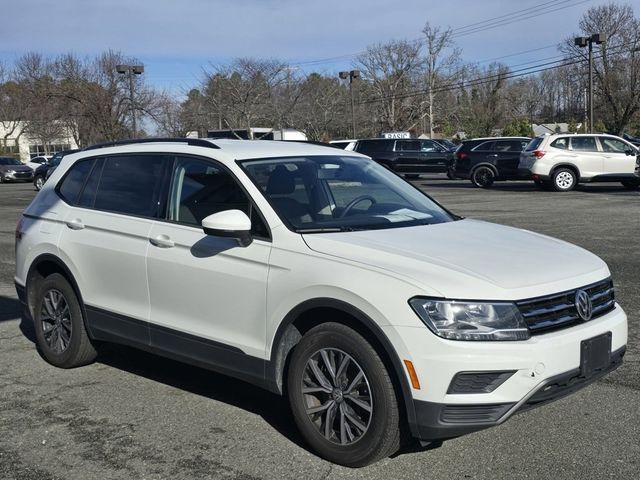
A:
555	311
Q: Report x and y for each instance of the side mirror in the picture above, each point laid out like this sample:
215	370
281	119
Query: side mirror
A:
229	224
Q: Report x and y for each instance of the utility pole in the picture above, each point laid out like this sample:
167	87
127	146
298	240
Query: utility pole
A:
598	39
130	71
351	75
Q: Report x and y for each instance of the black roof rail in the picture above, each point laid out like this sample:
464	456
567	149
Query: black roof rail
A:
196	142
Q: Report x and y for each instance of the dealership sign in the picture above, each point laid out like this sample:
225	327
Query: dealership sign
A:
396	135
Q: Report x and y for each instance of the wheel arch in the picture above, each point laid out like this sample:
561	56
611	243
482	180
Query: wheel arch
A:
313	312
43	266
569	166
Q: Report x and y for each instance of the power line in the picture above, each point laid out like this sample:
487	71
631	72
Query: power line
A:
489	78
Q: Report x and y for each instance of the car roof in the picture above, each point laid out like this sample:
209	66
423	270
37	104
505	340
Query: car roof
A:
221	148
484	139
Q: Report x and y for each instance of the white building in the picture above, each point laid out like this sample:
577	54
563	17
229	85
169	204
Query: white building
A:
24	146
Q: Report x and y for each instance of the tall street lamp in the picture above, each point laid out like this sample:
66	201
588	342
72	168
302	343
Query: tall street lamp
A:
598	39
351	75
130	71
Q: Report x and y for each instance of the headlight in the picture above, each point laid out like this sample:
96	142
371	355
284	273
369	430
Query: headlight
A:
471	320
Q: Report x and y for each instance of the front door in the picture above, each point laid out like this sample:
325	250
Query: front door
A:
207	293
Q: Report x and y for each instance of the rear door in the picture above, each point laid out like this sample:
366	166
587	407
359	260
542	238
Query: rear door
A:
106	239
586	156
506	155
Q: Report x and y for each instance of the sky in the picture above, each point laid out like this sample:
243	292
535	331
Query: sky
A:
178	40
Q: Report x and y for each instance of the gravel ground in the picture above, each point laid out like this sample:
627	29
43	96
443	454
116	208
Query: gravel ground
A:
134	415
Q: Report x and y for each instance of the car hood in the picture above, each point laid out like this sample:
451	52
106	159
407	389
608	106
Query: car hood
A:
468	259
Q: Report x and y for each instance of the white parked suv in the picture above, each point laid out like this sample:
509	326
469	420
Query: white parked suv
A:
564	160
318	274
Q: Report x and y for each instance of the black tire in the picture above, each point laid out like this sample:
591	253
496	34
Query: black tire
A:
564	180
483	177
631	184
52	330
38	182
344	446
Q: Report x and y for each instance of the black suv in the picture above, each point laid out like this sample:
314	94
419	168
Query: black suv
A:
484	160
410	156
44	171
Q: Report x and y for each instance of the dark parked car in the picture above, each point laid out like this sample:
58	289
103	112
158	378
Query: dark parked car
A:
631	139
12	170
484	160
45	170
408	156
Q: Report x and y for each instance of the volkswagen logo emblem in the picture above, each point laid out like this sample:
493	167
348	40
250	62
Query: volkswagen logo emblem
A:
583	305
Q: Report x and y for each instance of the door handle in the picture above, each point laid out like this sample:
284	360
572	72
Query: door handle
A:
162	241
75	224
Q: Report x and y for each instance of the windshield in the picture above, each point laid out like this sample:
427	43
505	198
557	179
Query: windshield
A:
9	161
334	193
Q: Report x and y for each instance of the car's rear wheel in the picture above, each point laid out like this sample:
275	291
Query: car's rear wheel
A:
59	324
342	397
483	177
631	184
564	180
38	182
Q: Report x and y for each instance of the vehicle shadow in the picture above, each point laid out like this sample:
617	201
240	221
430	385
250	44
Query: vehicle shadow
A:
10	308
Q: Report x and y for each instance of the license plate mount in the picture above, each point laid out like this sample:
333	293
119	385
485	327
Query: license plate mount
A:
595	354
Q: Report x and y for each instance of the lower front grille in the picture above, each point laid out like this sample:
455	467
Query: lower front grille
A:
552	312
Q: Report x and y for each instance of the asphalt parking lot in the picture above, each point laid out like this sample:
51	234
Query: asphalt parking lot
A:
132	415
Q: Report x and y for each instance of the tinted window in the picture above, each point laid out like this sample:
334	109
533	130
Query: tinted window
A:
200	188
88	195
130	184
9	161
408	146
485	147
430	146
584	144
561	143
368	146
508	146
533	144
74	180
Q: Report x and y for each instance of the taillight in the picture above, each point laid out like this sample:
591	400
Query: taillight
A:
461	155
538	153
19	229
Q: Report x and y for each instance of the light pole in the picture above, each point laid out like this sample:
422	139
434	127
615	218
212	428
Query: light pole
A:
598	39
351	75
130	71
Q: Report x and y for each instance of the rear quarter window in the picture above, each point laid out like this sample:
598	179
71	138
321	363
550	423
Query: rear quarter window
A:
561	143
74	180
533	144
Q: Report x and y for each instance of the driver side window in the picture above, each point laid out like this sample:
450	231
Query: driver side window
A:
200	188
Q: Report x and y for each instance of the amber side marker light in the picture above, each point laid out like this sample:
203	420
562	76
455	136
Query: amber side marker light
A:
415	383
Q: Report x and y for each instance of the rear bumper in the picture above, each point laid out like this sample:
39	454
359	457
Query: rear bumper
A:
436	421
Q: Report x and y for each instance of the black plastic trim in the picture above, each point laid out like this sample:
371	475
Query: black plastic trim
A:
22	293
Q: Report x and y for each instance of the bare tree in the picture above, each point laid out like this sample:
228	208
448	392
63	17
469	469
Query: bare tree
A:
441	65
392	70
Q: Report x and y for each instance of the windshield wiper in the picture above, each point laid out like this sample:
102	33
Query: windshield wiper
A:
327	230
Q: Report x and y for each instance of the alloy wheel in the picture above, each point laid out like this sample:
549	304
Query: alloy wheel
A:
56	321
564	180
337	396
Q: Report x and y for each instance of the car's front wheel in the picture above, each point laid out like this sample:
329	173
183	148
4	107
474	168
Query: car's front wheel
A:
342	397
59	324
483	177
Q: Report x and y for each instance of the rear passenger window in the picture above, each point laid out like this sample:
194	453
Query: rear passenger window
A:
485	147
131	185
584	144
408	146
508	146
74	180
561	143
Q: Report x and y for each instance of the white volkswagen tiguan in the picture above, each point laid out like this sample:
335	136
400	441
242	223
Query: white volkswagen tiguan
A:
318	274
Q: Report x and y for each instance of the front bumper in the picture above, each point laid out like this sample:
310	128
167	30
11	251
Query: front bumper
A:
437	421
535	371
18	176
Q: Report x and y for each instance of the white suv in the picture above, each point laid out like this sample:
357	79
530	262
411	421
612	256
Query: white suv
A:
564	160
318	274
